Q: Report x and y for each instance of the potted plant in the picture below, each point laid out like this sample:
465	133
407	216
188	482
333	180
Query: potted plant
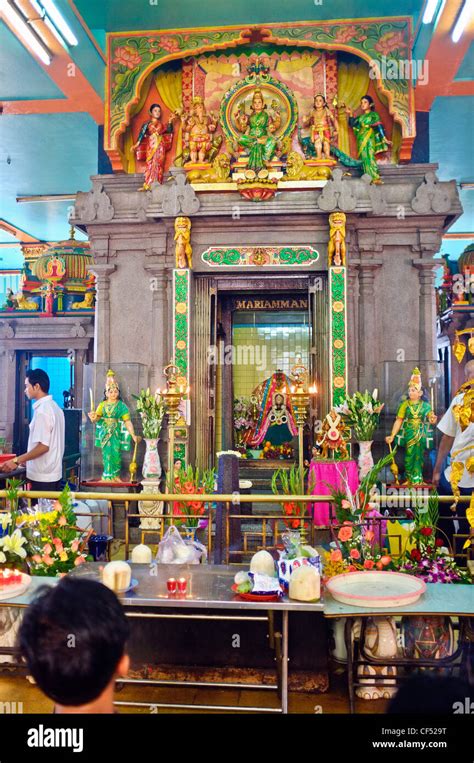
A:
152	410
361	412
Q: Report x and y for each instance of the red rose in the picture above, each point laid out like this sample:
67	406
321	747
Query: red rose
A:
368	564
426	530
415	554
439	542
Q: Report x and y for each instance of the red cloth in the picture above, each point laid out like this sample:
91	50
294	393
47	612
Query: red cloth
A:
324	475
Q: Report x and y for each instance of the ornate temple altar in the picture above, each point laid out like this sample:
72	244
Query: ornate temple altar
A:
244	203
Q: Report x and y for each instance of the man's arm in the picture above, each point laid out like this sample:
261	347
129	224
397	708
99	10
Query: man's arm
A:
444	448
39	450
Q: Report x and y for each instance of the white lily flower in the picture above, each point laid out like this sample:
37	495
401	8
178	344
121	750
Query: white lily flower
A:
3	558
13	544
375	393
5	520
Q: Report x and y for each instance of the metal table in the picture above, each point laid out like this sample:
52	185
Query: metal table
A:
438	599
208	588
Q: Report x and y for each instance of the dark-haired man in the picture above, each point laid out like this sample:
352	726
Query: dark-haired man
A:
73	638
44	457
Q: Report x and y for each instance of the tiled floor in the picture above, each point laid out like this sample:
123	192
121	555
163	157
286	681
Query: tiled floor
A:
14	689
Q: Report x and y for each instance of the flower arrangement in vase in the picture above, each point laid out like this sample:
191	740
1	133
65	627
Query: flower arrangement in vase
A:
430	559
243	420
55	544
361	412
288	482
195	482
151	409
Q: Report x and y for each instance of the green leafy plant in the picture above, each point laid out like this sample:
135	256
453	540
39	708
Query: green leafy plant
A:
190	481
289	482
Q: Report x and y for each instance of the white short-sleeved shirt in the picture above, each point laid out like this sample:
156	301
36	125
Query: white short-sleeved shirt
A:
47	427
463	441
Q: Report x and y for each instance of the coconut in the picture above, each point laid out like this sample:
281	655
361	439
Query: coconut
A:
117	576
263	563
305	584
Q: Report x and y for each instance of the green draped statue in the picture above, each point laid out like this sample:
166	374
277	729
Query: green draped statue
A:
370	137
258	128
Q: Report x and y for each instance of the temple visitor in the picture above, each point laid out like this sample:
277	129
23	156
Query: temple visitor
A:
73	638
44	457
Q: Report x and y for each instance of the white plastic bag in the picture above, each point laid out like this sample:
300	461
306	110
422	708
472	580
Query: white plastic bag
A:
174	550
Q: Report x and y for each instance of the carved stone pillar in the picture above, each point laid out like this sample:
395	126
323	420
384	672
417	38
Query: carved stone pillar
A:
7	391
427	325
102	272
368	326
159	346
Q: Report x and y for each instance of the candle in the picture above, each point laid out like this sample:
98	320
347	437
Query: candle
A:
182	583
92	399
171	585
432	397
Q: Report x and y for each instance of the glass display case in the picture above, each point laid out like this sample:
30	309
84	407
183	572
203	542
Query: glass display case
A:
107	448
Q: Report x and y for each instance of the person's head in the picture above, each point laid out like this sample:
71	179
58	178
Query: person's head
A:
73	638
414	392
367	103
319	101
469	370
258	104
36	384
155	110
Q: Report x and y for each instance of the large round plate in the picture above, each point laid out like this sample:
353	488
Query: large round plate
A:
376	589
13	591
256	596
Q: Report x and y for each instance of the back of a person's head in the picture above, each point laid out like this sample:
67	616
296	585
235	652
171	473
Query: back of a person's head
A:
72	637
38	376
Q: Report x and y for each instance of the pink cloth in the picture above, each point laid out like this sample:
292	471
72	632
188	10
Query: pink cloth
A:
324	475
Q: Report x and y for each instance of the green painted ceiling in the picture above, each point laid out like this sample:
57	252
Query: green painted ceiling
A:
120	16
21	77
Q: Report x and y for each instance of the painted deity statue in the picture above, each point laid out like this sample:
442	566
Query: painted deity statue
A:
337	239
258	128
275	421
159	138
370	137
198	129
323	127
114	429
182	237
332	438
412	429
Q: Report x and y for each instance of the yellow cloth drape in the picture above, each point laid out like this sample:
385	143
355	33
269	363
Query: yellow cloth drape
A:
169	84
396	131
128	156
352	84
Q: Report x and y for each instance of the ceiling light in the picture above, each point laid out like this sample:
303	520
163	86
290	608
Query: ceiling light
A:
59	22
463	20
25	32
430	11
42	15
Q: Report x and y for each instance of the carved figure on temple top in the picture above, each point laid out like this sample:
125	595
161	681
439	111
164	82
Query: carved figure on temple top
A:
198	130
258	128
337	240
23	303
412	429
158	140
370	137
49	294
296	169
86	304
219	172
10	302
182	236
323	127
114	429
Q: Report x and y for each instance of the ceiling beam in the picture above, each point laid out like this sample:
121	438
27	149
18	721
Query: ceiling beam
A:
21	236
63	71
444	58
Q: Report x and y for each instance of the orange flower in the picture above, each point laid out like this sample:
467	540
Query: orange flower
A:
345	504
336	556
368	564
345	533
79	560
188	487
351	568
369	536
62	520
379	565
386	560
354	553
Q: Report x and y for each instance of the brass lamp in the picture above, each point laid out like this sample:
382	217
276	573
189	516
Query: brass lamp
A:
172	397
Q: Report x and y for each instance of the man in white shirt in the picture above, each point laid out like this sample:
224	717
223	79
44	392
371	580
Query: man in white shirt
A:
460	444
44	457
